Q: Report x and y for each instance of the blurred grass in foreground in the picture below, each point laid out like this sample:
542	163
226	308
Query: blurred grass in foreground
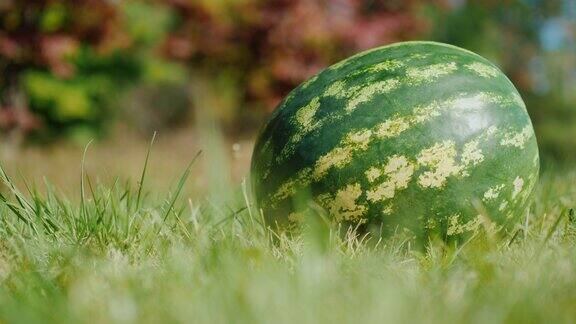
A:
116	256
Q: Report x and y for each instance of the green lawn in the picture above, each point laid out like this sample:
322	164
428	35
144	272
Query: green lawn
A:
121	254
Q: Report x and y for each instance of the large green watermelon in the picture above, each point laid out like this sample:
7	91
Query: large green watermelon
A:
419	135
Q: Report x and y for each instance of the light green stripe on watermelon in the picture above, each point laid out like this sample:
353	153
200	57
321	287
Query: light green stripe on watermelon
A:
359	95
441	156
518	139
354	141
440	160
365	94
429	73
483	70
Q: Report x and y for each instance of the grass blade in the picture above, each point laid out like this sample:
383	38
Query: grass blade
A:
143	175
181	183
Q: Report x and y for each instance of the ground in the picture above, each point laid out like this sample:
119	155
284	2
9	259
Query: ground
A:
121	252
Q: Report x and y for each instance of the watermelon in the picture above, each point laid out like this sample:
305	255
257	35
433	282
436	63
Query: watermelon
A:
421	136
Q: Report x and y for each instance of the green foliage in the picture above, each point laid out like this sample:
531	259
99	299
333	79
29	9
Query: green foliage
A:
62	100
145	23
72	61
83	101
53	18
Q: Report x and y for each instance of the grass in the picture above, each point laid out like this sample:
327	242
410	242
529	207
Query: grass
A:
122	254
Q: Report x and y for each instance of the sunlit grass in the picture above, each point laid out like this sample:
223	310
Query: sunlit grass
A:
123	253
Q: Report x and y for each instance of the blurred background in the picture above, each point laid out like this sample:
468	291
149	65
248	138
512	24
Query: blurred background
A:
205	74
